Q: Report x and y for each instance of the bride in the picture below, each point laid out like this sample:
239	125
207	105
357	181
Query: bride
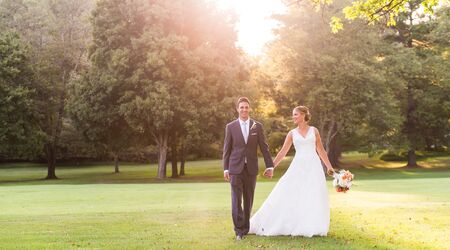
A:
298	204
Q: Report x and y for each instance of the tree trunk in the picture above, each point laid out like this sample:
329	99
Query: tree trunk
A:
412	162
116	163
51	162
329	142
174	169
165	165
162	162
333	129
162	140
334	153
55	131
410	123
174	159
182	172
410	129
182	160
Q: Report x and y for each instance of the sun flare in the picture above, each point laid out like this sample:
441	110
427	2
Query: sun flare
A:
255	24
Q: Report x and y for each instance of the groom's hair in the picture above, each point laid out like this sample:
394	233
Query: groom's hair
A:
242	99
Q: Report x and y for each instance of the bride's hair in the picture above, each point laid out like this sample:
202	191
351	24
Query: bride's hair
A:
304	110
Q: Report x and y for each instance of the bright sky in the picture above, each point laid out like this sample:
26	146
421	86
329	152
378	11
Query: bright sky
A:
255	25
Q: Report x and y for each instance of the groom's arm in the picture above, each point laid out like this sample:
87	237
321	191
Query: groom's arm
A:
227	149
264	147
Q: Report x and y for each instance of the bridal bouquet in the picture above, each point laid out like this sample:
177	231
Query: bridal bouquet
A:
342	180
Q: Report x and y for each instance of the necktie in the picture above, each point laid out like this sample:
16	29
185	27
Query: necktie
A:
245	132
245	138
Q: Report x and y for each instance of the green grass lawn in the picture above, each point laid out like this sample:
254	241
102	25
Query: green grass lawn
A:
90	207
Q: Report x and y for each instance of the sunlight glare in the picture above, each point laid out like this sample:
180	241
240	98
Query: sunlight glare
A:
255	25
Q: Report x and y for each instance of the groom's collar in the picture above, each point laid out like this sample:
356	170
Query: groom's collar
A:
241	121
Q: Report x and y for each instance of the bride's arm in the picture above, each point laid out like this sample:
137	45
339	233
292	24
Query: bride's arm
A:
286	146
321	151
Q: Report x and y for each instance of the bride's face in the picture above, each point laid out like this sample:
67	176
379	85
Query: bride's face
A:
297	117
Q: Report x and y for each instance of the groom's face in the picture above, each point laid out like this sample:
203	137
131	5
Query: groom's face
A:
243	110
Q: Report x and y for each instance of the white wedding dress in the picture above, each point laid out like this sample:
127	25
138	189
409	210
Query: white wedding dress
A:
298	204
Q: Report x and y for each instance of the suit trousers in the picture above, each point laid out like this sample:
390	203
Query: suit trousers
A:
242	193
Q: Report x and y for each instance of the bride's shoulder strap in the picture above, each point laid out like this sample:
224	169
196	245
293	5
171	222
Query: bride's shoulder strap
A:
291	132
315	129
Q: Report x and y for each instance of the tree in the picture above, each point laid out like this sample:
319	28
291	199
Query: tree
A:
419	66
372	11
94	110
340	77
56	32
387	10
188	77
433	44
97	95
20	137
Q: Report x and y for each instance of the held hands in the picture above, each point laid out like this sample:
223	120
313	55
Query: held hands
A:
268	173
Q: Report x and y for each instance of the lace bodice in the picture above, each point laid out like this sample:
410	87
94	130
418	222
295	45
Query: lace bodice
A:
304	144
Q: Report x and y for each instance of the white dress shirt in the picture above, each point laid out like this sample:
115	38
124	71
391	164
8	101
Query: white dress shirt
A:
245	128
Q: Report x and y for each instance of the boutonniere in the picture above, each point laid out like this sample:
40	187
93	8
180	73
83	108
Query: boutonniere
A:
253	126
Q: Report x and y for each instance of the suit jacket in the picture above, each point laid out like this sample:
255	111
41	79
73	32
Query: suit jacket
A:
235	150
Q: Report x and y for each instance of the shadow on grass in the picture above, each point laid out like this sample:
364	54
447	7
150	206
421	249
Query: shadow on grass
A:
200	171
92	177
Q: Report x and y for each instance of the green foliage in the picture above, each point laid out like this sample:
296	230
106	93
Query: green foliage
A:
338	76
276	140
56	34
20	137
376	11
434	105
402	155
158	70
74	146
394	156
95	97
422	67
177	77
93	107
336	24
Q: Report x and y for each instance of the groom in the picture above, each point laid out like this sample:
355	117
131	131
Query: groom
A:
240	164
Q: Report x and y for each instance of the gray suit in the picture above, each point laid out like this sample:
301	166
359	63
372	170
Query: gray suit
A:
243	174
